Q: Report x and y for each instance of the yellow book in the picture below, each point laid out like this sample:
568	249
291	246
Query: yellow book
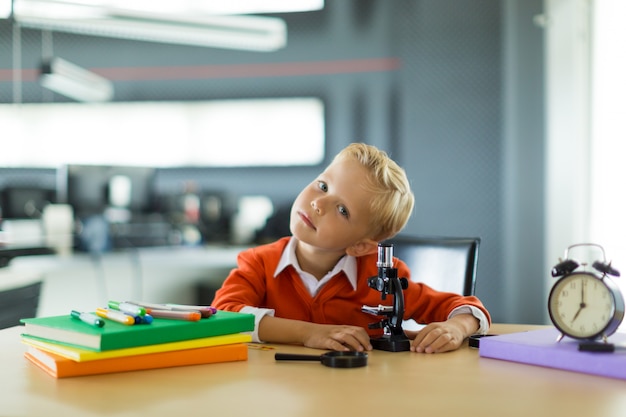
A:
84	355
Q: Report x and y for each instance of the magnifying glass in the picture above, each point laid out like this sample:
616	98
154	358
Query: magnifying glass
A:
349	359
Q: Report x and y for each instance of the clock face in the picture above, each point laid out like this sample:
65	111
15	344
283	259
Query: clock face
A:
582	306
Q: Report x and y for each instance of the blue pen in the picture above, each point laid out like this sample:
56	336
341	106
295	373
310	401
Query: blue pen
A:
145	319
88	318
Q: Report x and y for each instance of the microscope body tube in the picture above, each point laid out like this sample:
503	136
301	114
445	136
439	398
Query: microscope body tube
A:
388	276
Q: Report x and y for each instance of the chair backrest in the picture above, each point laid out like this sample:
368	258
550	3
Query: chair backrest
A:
444	263
18	303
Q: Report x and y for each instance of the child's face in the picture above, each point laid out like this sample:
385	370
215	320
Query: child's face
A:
333	212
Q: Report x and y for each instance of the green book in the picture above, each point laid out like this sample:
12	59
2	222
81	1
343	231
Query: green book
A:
66	330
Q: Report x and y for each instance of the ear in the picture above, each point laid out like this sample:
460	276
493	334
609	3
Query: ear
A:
362	247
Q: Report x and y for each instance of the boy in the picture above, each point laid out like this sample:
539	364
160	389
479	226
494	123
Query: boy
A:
309	288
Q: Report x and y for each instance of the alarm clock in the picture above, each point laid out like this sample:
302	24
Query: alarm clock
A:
585	305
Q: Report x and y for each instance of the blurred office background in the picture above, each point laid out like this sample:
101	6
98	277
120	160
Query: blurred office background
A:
465	95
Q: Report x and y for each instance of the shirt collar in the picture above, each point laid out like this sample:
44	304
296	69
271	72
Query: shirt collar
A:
347	264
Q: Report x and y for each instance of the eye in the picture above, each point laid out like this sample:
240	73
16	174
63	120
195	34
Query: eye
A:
343	211
322	186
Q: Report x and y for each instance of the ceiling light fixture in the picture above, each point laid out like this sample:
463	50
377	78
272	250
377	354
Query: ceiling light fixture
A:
74	82
231	32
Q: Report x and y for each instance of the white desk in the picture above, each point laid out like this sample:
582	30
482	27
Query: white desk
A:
458	383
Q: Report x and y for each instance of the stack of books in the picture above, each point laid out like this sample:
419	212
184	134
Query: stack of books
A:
66	347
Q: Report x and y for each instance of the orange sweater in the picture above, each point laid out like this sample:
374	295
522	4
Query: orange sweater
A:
253	284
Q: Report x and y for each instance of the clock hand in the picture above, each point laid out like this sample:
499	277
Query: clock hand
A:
582	305
582	291
582	301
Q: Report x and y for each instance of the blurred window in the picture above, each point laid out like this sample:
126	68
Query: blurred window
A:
216	133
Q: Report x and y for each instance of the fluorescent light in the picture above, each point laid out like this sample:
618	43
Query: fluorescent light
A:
75	82
210	7
232	32
5	9
245	6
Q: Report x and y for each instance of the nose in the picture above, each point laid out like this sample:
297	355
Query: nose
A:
316	206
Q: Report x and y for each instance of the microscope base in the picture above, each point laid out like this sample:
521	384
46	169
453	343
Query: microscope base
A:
391	343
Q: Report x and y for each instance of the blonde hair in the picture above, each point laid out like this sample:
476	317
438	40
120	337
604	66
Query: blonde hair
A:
392	200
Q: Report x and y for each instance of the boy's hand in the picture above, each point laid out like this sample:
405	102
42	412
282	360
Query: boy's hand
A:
443	336
313	335
336	337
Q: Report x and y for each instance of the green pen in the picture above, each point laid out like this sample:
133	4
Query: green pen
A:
128	308
88	318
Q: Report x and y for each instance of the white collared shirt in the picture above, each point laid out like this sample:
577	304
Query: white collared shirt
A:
347	264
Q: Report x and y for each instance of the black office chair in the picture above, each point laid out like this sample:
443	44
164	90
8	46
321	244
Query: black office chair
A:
17	303
444	263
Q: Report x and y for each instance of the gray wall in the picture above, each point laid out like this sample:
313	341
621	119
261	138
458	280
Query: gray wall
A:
458	102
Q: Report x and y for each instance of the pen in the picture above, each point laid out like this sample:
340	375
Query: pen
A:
128	308
176	315
88	318
115	315
145	319
149	306
206	311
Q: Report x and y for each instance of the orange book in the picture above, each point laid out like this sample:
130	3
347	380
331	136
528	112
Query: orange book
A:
60	367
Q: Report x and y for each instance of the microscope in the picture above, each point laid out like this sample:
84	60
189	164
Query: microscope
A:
388	283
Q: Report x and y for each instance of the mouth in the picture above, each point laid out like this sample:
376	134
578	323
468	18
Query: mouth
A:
306	220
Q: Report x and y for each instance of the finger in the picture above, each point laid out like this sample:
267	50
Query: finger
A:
353	342
360	337
336	345
440	344
424	340
423	334
364	339
444	342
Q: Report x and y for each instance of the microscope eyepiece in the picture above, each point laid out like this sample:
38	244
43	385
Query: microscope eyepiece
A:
385	255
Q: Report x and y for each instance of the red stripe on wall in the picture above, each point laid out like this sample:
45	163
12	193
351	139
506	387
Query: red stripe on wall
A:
27	74
285	69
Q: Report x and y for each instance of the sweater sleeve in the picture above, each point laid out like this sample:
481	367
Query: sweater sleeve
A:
246	285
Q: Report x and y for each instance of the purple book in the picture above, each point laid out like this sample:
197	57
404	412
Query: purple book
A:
539	347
